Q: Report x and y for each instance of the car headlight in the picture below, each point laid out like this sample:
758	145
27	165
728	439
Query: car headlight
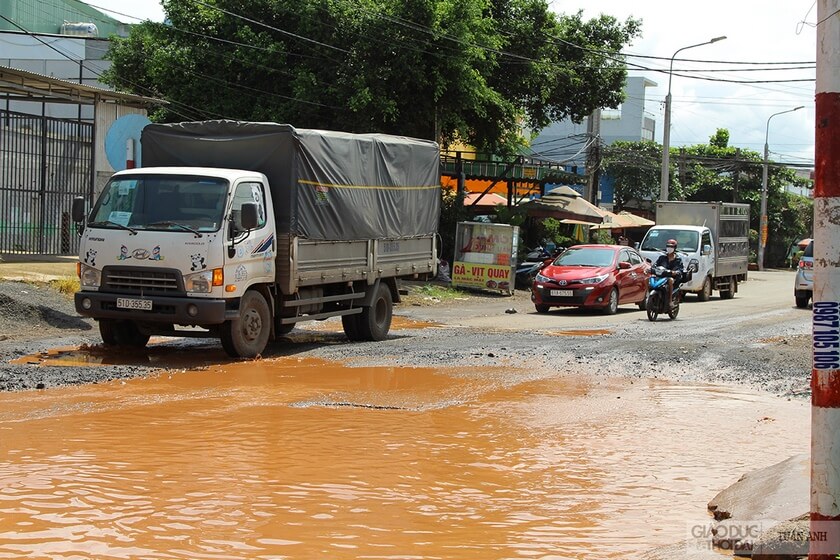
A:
595	279
90	277
200	282
540	278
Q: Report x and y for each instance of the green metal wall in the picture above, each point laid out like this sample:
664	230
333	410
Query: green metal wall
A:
47	16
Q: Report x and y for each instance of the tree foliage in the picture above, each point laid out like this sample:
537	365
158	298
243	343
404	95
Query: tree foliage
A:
634	168
715	172
471	70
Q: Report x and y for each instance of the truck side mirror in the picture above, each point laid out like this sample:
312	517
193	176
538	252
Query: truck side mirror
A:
707	249
78	209
249	218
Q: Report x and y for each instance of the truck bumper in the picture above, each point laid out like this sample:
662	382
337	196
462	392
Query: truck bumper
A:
172	310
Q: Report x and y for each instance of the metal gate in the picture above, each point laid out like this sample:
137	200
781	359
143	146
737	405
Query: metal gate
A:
44	163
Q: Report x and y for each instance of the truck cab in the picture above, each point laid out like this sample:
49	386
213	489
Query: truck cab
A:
170	243
693	243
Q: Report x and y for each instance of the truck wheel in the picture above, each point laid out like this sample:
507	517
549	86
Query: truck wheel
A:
729	292
351	327
375	321
706	291
121	333
247	336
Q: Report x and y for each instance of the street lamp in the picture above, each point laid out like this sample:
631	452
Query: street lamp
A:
762	234
666	133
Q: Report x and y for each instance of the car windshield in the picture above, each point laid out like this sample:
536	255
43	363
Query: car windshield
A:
169	202
586	256
656	239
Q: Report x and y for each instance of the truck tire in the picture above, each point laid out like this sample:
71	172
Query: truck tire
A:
121	333
351	327
247	336
731	287
705	292
375	321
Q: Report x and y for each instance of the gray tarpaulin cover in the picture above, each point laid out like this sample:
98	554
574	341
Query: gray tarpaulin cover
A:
325	185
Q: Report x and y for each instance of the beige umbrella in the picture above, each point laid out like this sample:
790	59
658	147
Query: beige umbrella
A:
564	203
623	220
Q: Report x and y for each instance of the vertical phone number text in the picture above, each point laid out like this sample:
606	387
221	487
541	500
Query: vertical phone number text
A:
826	328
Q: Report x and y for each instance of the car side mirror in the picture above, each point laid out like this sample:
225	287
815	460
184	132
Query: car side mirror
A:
648	261
624	265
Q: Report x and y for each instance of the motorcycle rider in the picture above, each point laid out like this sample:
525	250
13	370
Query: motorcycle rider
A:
671	261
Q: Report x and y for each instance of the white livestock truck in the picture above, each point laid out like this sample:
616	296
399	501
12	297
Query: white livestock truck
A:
716	234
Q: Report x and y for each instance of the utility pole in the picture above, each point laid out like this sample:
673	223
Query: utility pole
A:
593	155
825	353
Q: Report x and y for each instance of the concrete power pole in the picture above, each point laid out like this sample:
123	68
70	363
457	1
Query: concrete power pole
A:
593	155
825	362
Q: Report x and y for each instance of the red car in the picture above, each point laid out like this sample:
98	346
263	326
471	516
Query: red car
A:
599	276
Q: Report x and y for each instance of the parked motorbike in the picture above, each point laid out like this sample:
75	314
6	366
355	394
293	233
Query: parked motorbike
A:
657	301
534	261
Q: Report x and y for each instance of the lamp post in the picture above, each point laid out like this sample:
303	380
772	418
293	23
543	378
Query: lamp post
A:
762	234
666	133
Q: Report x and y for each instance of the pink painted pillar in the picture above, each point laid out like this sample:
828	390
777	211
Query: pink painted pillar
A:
825	374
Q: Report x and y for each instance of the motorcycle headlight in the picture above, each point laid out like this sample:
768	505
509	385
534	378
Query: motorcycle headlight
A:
200	282
540	278
594	279
90	277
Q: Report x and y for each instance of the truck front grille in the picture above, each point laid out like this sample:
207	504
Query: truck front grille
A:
136	280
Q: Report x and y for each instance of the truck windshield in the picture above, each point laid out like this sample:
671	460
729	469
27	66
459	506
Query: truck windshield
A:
656	239
176	202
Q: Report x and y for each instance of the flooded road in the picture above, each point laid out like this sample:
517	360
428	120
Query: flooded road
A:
299	458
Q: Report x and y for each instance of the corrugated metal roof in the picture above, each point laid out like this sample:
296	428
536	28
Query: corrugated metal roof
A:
22	84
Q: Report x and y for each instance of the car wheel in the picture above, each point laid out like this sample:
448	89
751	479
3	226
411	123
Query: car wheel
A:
612	304
705	292
802	301
541	308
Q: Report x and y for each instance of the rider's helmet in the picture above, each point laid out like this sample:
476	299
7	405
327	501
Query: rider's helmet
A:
671	243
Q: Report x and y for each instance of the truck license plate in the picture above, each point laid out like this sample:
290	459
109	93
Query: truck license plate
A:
129	303
561	293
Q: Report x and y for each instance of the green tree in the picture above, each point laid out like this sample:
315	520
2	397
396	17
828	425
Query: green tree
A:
472	70
719	172
635	170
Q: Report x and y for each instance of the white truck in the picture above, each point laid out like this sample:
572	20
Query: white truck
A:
240	230
716	234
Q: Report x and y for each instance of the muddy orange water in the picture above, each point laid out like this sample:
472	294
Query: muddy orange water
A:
296	458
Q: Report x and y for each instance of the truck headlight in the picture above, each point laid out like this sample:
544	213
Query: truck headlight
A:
200	282
89	276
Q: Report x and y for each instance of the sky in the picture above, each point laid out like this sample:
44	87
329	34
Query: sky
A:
757	31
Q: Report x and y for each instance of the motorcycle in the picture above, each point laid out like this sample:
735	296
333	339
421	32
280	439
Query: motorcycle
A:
534	261
657	301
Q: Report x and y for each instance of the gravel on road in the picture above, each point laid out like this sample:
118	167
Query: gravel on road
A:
760	352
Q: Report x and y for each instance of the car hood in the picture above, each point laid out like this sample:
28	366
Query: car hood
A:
572	273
